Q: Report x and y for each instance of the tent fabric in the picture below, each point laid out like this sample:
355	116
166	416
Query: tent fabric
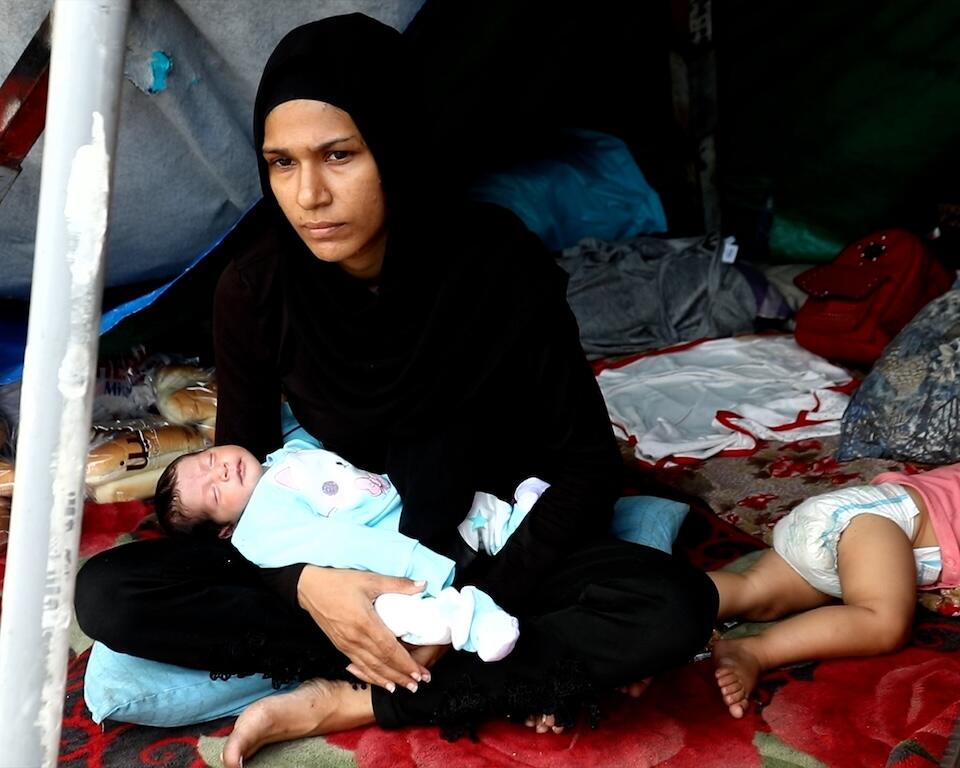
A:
190	76
837	119
13	330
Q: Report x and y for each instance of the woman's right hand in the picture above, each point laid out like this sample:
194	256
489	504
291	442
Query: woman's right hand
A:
341	603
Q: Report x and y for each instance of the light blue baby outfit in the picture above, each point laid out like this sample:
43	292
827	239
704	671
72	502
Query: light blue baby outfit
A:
312	506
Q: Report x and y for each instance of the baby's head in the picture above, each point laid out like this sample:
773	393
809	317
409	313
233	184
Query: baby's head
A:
204	493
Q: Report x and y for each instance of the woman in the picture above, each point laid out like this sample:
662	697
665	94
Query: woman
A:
429	340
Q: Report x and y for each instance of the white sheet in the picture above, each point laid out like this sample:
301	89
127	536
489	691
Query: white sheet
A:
721	396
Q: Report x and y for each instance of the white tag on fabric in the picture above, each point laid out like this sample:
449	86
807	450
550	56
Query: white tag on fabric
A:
730	249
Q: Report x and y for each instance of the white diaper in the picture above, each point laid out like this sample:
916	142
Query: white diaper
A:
807	537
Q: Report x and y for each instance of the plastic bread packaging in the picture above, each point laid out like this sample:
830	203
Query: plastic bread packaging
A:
6	478
132	487
137	449
172	377
128	465
135	486
121	390
193	404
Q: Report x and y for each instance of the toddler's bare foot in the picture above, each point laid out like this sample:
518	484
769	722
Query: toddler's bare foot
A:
314	708
737	672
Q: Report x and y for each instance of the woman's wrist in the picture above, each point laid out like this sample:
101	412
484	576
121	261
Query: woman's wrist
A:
285	582
305	580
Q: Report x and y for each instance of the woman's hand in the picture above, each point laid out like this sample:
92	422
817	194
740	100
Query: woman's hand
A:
341	603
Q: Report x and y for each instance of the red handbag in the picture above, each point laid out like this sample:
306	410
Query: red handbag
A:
861	300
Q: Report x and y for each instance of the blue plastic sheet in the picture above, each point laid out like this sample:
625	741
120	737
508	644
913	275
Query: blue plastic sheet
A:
13	331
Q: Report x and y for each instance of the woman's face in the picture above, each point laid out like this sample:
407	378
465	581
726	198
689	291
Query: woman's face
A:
327	184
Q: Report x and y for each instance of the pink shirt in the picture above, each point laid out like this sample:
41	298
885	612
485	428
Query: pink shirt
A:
940	490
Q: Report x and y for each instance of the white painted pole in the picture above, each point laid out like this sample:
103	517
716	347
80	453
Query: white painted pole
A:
86	65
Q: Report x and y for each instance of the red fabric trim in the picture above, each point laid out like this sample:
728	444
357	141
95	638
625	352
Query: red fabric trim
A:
847	389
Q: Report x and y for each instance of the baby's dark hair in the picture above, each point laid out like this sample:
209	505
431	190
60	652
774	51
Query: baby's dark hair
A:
171	514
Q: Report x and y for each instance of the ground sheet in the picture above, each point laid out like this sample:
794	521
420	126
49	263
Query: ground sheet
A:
895	710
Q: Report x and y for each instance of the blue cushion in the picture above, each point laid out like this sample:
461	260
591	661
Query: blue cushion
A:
595	189
134	690
648	520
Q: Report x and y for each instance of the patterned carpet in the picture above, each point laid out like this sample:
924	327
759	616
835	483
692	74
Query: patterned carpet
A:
895	710
754	492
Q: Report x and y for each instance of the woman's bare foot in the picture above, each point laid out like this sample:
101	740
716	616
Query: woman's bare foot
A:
637	689
543	723
737	671
314	708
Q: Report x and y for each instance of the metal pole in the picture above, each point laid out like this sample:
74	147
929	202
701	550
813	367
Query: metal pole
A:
58	377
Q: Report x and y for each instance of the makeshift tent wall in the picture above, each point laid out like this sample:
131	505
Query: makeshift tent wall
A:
504	78
845	116
185	164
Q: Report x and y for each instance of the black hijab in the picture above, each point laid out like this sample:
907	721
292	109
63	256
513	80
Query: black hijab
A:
357	64
363	368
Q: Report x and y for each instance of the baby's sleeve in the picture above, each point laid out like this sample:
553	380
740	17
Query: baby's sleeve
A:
301	536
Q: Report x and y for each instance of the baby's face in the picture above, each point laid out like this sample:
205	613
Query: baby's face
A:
217	483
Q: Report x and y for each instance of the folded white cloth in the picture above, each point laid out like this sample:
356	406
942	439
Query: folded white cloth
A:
722	396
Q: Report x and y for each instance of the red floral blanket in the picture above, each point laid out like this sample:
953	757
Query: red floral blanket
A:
894	710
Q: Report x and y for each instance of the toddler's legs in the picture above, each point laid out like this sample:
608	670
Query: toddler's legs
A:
765	591
878	577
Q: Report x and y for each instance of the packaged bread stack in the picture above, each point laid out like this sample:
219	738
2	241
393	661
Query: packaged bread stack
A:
6	465
127	458
6	478
127	465
186	398
186	394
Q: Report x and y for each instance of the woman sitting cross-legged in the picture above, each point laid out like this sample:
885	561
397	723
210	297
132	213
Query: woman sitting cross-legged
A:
427	339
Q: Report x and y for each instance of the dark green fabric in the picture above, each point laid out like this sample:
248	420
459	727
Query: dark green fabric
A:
848	114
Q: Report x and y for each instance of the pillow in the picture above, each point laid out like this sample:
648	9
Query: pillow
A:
648	520
134	690
595	189
908	407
